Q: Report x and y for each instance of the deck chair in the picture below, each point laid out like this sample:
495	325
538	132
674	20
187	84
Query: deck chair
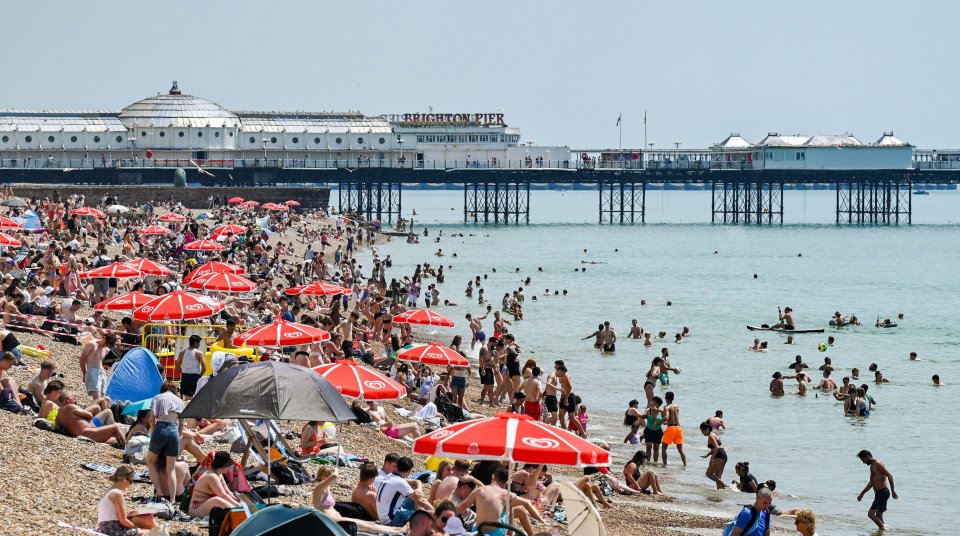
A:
255	450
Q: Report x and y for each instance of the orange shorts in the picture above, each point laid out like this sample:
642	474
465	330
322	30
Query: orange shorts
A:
673	435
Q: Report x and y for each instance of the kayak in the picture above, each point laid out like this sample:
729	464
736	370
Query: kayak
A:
782	330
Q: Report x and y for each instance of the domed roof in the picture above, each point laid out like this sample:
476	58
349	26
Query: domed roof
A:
176	110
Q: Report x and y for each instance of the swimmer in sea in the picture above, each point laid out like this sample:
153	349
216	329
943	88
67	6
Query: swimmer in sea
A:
936	381
607	338
913	357
800	362
878	377
855	374
756	345
716	422
830	340
887	323
827	364
776	385
665	367
789	339
648	339
685	332
677	338
662	335
827	383
595	336
717	455
636	330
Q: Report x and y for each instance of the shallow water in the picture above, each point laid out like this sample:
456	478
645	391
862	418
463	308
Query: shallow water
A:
804	443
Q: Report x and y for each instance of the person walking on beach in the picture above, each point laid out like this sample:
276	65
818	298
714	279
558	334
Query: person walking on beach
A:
716	453
754	520
879	476
550	393
673	433
476	328
534	392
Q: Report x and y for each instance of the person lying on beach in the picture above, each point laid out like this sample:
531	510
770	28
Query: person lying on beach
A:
77	421
396	431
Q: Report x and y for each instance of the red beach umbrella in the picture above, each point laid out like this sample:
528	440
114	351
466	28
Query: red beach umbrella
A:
235	200
272	206
117	270
511	437
292	203
214	267
251	203
221	282
148	267
204	245
9	241
9	224
357	381
434	354
178	305
424	317
230	228
125	302
281	333
88	211
155	230
318	288
172	216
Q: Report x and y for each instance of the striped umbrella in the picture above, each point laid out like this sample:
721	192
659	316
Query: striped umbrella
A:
229	228
172	216
204	245
9	223
318	288
9	241
424	317
88	211
235	200
281	333
148	267
434	354
221	282
125	302
214	267
155	230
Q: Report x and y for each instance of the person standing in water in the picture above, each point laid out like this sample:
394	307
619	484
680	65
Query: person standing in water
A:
716	453
673	433
879	476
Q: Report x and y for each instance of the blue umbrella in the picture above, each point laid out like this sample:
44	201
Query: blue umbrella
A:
135	407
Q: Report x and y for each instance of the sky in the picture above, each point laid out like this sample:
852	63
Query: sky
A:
562	72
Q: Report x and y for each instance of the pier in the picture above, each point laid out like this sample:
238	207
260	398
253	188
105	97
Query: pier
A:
499	193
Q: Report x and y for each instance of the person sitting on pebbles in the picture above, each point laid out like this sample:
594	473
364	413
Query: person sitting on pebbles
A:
77	421
396	431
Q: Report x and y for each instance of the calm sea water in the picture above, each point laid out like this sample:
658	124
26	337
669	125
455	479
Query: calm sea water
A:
806	443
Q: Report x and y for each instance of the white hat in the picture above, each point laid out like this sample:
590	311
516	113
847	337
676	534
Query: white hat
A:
90	320
454	526
49	290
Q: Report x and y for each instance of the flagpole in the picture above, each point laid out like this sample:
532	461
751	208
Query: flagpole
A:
644	128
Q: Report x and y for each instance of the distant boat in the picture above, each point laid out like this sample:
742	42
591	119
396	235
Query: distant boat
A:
921	192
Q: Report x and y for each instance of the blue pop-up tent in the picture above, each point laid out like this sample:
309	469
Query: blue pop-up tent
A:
135	377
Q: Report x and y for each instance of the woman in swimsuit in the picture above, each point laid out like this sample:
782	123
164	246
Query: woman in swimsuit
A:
211	489
652	376
747	482
717	455
324	502
639	479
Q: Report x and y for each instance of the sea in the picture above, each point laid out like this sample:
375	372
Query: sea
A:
719	278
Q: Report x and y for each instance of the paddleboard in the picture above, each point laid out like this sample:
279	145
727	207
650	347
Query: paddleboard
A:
781	330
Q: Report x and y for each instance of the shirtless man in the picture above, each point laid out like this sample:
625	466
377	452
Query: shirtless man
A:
476	328
879	475
94	374
776	384
568	402
550	393
492	502
534	392
636	330
673	433
786	320
79	422
827	383
607	338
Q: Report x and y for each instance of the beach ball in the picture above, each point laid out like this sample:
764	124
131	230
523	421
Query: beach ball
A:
822	347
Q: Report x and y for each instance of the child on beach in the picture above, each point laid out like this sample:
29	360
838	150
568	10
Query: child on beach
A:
582	418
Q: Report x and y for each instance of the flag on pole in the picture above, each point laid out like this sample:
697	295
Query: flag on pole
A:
619	117
644	117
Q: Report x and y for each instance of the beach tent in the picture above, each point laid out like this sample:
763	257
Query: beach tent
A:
31	221
282	519
135	377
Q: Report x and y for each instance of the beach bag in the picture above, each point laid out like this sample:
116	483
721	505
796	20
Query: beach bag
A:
135	451
755	516
362	416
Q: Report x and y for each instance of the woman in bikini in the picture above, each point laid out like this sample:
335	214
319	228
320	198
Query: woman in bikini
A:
716	453
211	489
639	479
653	375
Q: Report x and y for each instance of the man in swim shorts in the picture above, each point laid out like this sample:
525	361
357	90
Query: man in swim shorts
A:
673	433
534	392
476	327
879	475
550	392
492	502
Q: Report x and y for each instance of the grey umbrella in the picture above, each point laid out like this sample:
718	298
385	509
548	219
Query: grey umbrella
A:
269	390
14	202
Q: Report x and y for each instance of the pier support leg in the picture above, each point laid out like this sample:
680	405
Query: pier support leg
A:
375	200
747	202
882	201
620	202
501	202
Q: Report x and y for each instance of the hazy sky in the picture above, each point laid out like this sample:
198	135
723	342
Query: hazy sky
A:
560	71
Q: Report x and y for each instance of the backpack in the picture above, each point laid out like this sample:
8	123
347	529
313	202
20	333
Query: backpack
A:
751	530
362	416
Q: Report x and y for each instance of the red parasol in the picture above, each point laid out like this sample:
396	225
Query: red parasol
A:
9	241
425	317
356	381
434	354
511	437
273	206
172	216
148	267
88	211
292	203
204	245
214	267
178	305
117	270
125	302
251	203
7	223
155	230
235	200
318	288
281	333
222	282
230	228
